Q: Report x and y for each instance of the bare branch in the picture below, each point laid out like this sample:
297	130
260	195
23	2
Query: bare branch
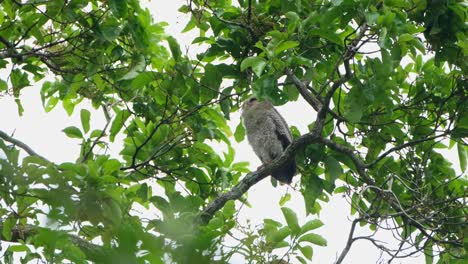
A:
349	242
402	146
22	145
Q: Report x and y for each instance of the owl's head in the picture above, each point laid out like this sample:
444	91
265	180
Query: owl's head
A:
249	103
254	105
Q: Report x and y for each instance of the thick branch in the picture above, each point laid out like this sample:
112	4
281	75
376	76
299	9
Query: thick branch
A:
302	87
20	144
23	232
252	178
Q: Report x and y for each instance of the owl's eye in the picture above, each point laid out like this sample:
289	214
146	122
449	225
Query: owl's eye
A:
252	99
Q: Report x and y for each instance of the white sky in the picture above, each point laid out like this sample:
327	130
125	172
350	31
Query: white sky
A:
42	132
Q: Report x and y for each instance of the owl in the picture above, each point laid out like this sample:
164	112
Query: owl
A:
269	135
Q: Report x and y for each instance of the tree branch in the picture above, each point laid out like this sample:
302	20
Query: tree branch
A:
21	233
252	178
22	145
349	242
402	146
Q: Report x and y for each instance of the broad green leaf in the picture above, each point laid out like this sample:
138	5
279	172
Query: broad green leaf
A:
118	123
239	133
354	104
293	21
119	8
313	189
18	248
51	103
111	31
174	47
229	209
3	86
331	36
311	225
462	156
210	81
333	169
215	223
7	227
73	132
111	165
85	116
291	219
307	251
405	37
279	235
96	133
256	63
314	239
112	211
281	244
285	45
301	260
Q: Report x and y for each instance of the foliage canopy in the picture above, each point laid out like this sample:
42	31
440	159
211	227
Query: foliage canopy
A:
386	78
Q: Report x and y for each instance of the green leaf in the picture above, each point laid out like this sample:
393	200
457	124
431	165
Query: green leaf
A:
229	209
405	37
333	169
462	156
3	86
428	252
174	47
313	189
310	225
95	133
285	45
7	227
18	80
112	212
210	81
18	248
301	260
256	63
111	165
279	235
281	244
118	123
119	8
314	239
354	104
111	31
291	219
307	251
327	35
73	132
85	116
239	133
293	19
284	199
51	103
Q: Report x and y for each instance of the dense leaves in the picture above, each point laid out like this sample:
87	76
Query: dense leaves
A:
387	79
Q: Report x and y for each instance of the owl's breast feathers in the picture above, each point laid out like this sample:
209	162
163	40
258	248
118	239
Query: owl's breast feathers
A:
269	136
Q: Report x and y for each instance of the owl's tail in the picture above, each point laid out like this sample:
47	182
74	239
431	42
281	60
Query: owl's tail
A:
285	173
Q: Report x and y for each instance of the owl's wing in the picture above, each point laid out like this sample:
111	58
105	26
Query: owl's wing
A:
281	129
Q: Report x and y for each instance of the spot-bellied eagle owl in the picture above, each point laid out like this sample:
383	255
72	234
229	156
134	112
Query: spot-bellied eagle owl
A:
269	135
